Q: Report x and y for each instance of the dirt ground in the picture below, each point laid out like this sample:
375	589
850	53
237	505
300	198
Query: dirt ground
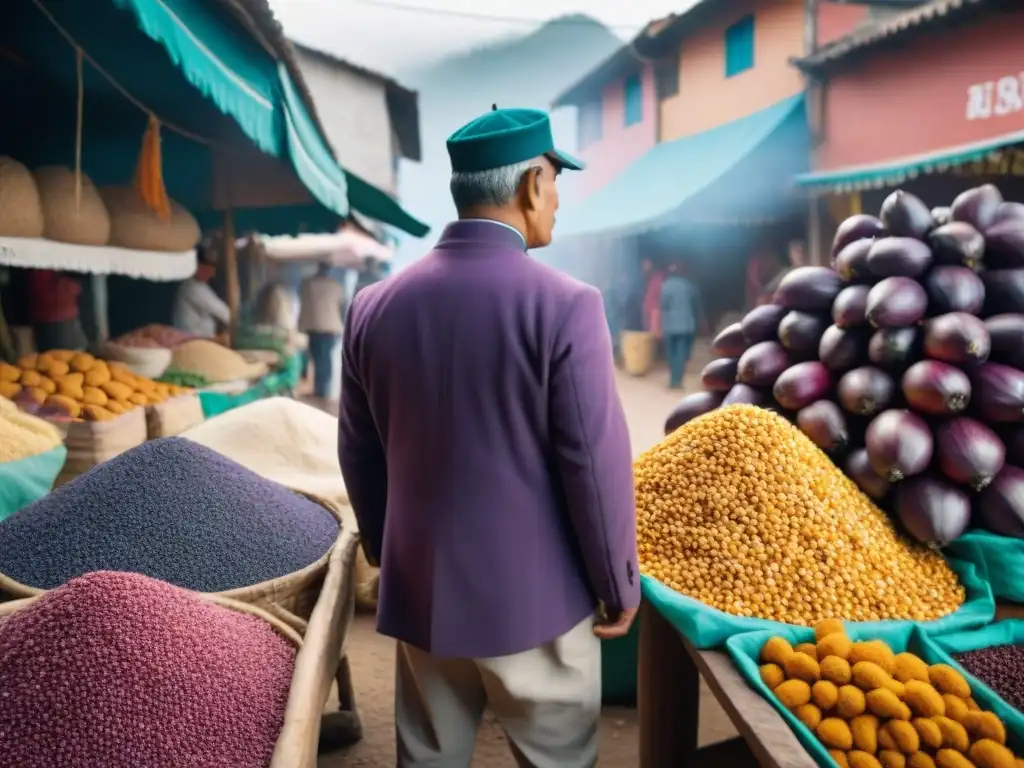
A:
646	402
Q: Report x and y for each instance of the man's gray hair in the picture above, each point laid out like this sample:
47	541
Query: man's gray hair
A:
493	187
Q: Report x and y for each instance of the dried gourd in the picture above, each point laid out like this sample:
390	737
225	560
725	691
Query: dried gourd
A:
48	385
94	396
82	362
97	413
31	378
35	394
117	389
98	375
65	404
9	389
9	373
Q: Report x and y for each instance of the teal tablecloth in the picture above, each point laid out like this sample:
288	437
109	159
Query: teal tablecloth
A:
279	382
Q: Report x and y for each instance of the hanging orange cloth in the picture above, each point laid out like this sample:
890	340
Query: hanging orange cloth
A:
149	178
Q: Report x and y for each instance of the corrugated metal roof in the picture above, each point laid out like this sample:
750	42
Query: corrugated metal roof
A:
930	14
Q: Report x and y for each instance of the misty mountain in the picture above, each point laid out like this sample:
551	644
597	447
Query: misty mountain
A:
523	71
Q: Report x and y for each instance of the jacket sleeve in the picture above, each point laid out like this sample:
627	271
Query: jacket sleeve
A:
361	454
593	454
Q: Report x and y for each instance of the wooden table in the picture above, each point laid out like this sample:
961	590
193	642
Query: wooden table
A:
668	703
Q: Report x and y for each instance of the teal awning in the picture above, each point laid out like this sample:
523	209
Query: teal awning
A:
193	65
897	170
740	171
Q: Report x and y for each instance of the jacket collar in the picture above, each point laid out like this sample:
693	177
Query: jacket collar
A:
481	233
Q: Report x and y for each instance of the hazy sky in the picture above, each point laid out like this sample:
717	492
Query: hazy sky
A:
390	35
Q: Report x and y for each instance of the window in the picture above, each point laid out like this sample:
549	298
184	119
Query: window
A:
739	46
634	99
588	123
666	77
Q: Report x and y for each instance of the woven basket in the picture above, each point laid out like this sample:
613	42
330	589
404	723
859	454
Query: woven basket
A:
637	352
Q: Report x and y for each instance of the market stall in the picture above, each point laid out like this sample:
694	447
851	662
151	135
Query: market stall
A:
838	512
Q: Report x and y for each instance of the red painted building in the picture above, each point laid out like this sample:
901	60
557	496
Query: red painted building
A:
929	100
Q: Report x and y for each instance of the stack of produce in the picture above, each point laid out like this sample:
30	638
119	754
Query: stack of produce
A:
154	336
1001	668
873	708
170	509
905	362
117	669
76	385
740	510
214	362
182	379
23	435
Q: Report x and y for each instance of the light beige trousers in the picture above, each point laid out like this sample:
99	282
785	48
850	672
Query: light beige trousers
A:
547	699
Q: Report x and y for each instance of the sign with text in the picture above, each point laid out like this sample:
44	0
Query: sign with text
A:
996	98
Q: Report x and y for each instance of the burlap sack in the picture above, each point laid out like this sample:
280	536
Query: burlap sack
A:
92	442
174	416
82	221
135	226
317	662
21	215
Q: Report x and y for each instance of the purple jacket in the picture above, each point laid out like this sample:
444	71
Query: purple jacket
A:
485	449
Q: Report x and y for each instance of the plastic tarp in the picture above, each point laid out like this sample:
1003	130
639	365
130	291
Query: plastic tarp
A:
741	170
707	628
898	169
1000	559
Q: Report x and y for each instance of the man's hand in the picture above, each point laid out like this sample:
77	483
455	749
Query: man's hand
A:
617	627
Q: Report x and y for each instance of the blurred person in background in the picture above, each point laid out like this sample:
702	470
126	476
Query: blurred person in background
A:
369	273
53	310
682	318
653	279
321	318
486	456
197	307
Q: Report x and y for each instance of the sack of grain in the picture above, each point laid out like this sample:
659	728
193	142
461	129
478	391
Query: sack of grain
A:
174	416
638	352
91	443
133	225
262	704
31	455
150	362
84	223
293	444
214	362
21	214
246	537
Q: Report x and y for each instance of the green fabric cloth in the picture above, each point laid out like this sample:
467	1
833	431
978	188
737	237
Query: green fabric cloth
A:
707	628
25	480
1000	560
281	381
619	659
745	651
505	137
1009	632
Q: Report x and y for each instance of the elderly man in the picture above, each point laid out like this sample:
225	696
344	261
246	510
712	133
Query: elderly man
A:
486	456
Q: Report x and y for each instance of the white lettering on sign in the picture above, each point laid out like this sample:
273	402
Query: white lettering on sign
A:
995	98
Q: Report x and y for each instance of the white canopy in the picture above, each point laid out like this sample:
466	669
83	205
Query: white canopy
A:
347	248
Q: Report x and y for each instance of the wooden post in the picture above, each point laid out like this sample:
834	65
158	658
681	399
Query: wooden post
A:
231	270
668	694
100	308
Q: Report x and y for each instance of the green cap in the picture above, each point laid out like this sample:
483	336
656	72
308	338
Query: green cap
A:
506	137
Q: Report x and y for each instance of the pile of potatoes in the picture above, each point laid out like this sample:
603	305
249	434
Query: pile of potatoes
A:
872	708
80	386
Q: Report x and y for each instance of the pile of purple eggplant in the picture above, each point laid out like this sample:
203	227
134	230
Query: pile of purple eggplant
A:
904	361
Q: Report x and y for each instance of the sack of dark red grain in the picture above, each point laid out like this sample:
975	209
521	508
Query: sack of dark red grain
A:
225	683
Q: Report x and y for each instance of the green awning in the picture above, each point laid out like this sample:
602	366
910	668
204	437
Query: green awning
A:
739	171
897	170
378	204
